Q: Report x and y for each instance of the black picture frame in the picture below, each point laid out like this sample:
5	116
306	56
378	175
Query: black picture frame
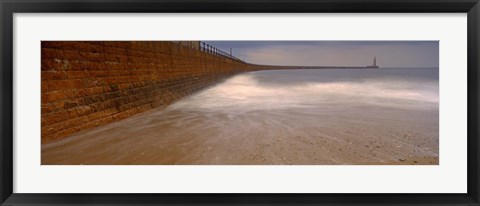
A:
10	7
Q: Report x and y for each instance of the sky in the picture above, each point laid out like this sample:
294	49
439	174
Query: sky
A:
335	53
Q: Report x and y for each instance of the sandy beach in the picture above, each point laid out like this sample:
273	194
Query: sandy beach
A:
359	142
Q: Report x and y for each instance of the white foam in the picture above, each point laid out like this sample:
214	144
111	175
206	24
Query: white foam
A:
244	93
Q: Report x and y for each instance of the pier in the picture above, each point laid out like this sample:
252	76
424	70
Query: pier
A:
86	84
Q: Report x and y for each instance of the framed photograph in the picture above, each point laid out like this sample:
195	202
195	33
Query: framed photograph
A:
252	103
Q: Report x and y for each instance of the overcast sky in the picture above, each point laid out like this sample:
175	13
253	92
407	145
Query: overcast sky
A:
335	53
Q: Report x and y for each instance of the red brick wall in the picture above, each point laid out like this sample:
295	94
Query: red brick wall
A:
88	84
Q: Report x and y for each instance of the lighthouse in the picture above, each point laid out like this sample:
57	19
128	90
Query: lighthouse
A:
374	66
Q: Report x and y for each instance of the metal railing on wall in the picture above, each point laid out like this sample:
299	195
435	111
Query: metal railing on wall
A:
218	52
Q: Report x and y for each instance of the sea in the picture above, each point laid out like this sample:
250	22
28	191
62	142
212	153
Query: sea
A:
304	116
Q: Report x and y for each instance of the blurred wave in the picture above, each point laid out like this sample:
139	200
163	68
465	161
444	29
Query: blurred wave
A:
318	89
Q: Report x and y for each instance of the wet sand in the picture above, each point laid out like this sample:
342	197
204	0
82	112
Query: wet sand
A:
255	130
151	139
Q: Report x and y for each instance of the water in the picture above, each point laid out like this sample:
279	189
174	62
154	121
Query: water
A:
324	116
319	89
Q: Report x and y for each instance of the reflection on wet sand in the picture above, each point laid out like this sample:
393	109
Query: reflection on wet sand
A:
277	117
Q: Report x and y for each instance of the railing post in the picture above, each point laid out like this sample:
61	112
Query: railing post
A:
205	47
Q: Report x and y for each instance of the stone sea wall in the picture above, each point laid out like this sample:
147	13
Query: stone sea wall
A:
89	84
